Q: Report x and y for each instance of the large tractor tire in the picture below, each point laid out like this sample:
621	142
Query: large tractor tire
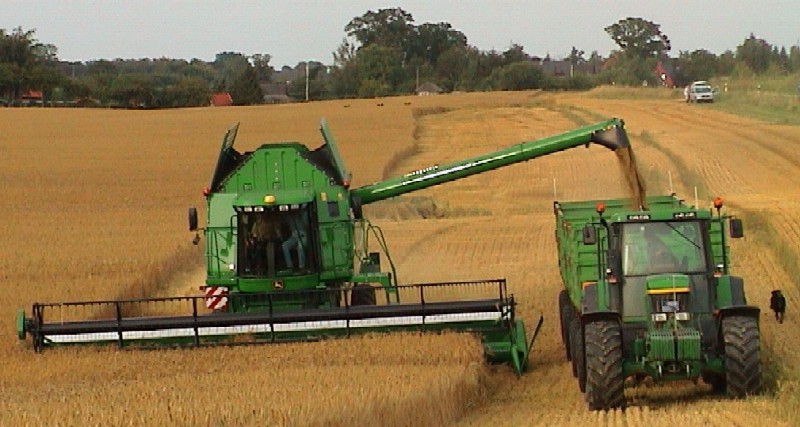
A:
605	381
565	313
578	351
742	355
362	294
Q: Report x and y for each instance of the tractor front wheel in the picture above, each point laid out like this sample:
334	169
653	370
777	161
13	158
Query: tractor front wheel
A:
604	376
742	355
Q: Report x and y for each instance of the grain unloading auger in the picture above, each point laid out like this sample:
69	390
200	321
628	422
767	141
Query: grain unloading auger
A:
287	259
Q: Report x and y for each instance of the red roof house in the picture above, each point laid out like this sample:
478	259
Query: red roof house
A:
222	99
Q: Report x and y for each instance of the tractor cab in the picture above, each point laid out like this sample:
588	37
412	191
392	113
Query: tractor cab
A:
646	252
663	247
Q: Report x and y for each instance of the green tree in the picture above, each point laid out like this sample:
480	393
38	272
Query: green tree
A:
450	67
100	78
133	91
630	71
576	56
229	67
515	53
380	70
429	41
756	53
639	38
697	65
726	63
25	64
245	88
187	92
794	59
518	76
317	82
390	27
261	65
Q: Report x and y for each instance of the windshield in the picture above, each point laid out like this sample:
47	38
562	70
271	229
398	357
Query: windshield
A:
702	89
275	241
662	247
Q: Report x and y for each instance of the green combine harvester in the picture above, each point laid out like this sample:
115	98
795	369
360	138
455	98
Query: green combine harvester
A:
288	259
648	293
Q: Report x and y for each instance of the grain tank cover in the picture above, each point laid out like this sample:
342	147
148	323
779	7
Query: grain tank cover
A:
228	158
328	154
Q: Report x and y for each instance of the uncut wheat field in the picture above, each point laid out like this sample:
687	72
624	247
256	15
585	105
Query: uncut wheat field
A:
94	207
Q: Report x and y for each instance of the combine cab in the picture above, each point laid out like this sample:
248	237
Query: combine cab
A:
288	259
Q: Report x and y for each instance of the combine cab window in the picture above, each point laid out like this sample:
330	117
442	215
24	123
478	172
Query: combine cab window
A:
276	241
662	247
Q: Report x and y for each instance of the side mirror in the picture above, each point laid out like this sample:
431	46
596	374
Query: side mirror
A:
589	235
192	219
736	228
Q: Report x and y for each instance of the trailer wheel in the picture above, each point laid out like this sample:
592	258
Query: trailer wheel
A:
578	351
362	294
742	356
566	313
604	376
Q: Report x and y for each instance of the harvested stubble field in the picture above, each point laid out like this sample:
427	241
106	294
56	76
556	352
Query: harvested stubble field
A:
95	203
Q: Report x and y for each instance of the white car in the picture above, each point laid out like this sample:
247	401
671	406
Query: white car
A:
699	91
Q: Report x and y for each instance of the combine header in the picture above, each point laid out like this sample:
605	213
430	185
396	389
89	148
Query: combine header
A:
287	256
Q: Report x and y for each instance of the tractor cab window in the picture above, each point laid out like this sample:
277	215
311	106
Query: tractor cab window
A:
662	247
275	241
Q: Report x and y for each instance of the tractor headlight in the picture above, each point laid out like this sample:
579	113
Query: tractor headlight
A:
659	317
682	316
232	267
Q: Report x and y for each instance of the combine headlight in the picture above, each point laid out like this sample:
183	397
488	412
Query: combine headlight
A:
682	316
659	317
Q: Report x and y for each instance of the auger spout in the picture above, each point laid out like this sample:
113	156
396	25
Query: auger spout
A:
610	134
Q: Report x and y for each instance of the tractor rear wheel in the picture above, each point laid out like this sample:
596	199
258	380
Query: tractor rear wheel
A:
577	351
742	355
604	376
362	294
565	313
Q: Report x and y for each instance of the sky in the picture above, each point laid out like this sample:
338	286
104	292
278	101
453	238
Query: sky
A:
300	30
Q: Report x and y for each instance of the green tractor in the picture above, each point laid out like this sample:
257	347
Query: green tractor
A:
288	258
648	293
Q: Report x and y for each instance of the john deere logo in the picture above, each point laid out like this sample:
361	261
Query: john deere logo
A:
277	284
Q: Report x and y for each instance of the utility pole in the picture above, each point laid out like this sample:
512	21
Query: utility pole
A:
307	73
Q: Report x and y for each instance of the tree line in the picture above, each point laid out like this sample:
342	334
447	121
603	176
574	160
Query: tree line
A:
383	53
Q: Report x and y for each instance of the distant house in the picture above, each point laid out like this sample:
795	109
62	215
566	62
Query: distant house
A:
222	99
85	102
566	68
32	97
665	73
428	89
275	93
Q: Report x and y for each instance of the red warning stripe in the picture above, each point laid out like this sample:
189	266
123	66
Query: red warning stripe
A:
216	297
